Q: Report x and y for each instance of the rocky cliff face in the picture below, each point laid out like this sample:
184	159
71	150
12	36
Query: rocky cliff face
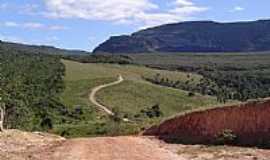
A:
248	122
204	36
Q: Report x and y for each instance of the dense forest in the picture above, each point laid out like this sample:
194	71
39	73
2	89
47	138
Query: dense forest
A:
30	85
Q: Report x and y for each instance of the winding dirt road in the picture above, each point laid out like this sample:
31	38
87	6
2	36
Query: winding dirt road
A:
92	96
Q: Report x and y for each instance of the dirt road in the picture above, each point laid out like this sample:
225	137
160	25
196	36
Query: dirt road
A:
18	145
111	148
92	96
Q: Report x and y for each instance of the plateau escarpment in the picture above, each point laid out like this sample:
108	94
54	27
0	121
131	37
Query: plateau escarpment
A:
201	36
246	124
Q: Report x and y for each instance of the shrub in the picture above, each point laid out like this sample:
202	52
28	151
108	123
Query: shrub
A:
152	112
191	94
226	137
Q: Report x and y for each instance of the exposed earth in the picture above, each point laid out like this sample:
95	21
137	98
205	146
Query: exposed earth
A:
18	145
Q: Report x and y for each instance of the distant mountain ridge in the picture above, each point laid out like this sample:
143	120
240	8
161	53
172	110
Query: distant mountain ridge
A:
38	49
197	36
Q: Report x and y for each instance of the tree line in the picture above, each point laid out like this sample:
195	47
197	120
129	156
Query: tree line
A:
225	85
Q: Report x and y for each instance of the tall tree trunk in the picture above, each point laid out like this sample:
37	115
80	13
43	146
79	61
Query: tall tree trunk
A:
2	118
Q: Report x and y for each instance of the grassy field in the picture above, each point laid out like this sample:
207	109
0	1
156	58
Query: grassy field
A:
78	71
188	61
131	97
128	98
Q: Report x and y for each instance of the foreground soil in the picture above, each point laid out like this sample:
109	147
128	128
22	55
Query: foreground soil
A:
17	145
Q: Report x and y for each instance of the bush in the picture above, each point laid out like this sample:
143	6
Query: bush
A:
191	94
152	112
226	137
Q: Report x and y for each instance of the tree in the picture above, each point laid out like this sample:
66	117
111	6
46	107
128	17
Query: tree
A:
2	105
2	116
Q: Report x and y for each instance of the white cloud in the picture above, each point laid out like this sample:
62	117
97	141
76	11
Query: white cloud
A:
112	10
184	2
237	9
32	25
143	12
186	8
10	24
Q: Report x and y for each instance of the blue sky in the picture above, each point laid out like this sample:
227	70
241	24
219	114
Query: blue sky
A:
83	24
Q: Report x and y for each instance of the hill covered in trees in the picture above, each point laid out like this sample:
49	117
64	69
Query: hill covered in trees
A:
29	88
8	46
200	36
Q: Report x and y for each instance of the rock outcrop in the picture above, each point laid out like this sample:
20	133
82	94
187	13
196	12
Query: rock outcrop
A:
249	122
201	36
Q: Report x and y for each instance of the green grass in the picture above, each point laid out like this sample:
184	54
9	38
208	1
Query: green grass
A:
186	61
78	71
77	92
127	98
131	97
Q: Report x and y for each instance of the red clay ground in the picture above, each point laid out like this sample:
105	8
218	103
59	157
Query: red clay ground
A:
248	121
120	148
17	145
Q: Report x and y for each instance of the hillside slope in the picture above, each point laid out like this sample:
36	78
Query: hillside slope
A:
130	99
201	36
17	47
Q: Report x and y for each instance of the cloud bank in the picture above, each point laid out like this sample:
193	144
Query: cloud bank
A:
138	12
32	25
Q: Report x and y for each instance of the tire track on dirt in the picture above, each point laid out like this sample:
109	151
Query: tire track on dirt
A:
92	96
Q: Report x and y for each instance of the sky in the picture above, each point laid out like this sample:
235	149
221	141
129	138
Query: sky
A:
83	24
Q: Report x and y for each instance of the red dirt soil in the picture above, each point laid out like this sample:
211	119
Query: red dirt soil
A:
108	148
18	145
250	122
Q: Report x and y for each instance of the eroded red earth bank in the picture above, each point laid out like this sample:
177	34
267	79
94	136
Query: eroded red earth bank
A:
250	122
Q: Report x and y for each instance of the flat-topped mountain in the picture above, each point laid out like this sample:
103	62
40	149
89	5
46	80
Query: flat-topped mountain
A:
200	36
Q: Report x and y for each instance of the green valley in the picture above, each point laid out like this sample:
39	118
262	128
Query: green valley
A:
132	99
